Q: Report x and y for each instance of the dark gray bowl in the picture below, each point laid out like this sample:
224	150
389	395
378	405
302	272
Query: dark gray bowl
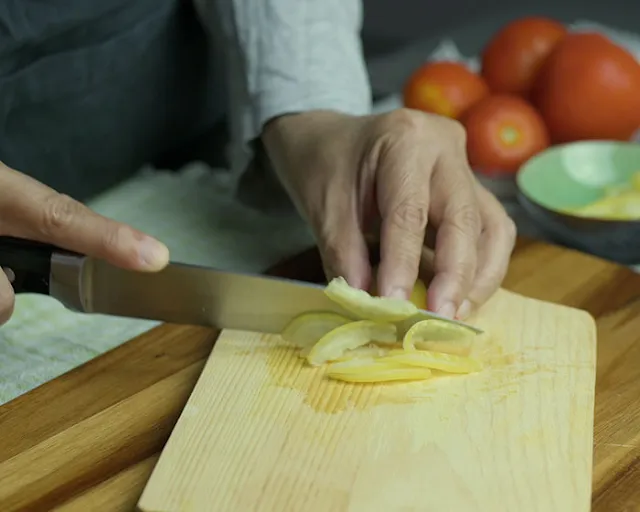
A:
572	175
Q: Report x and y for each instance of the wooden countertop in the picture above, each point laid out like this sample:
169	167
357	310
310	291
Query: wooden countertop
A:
88	440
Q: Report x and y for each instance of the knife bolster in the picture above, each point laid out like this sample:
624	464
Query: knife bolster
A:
70	281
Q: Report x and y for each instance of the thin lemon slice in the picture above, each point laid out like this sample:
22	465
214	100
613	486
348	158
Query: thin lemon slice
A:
365	352
347	337
460	347
436	330
433	360
372	370
306	329
360	303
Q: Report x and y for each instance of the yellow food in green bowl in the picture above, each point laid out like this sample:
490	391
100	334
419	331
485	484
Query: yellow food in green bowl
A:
618	202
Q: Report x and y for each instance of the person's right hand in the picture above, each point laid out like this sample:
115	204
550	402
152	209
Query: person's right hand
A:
31	210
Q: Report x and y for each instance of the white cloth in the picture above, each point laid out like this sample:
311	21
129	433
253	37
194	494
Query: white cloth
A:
194	212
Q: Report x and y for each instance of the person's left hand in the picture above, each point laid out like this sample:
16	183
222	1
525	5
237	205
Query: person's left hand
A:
403	171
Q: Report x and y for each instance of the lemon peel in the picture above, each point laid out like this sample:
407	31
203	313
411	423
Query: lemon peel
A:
365	352
306	329
365	306
435	330
348	337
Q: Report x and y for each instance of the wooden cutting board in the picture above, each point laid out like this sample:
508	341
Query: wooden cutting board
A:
264	432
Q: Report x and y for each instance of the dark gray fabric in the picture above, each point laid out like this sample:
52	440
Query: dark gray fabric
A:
92	90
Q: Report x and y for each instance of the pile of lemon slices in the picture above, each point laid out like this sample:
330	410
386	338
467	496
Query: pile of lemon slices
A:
386	340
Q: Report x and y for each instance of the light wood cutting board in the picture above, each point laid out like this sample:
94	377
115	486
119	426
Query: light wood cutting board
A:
263	432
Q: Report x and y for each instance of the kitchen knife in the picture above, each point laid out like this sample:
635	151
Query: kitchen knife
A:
180	293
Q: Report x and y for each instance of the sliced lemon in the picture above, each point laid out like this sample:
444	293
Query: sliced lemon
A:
360	303
306	329
460	347
433	360
357	353
373	370
436	330
366	352
348	337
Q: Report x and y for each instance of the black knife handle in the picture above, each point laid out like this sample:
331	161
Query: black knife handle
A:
27	264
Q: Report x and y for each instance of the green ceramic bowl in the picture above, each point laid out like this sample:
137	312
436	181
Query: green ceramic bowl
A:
573	175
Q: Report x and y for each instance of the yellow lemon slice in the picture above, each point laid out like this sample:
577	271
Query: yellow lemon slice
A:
363	305
365	352
435	330
433	360
306	329
348	337
372	370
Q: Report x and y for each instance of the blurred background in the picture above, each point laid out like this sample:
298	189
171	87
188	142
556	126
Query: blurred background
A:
570	196
401	29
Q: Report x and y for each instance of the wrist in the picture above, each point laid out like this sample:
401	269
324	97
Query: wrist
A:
288	136
299	124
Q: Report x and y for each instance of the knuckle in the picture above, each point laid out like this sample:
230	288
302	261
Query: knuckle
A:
465	268
462	274
465	273
467	219
403	120
58	213
112	237
410	216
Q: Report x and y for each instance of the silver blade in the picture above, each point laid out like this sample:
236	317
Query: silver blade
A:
189	294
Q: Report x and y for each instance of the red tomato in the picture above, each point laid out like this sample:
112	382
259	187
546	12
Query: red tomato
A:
589	88
444	88
514	56
503	131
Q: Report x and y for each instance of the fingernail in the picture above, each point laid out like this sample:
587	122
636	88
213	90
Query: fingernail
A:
398	293
464	310
447	310
153	254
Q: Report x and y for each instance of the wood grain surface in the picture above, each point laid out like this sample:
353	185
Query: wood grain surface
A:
89	439
264	431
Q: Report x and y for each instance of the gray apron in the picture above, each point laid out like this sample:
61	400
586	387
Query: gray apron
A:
92	90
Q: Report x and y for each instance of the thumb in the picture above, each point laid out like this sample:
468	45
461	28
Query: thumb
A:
343	247
29	209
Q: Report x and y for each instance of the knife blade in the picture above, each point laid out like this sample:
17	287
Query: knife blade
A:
180	293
